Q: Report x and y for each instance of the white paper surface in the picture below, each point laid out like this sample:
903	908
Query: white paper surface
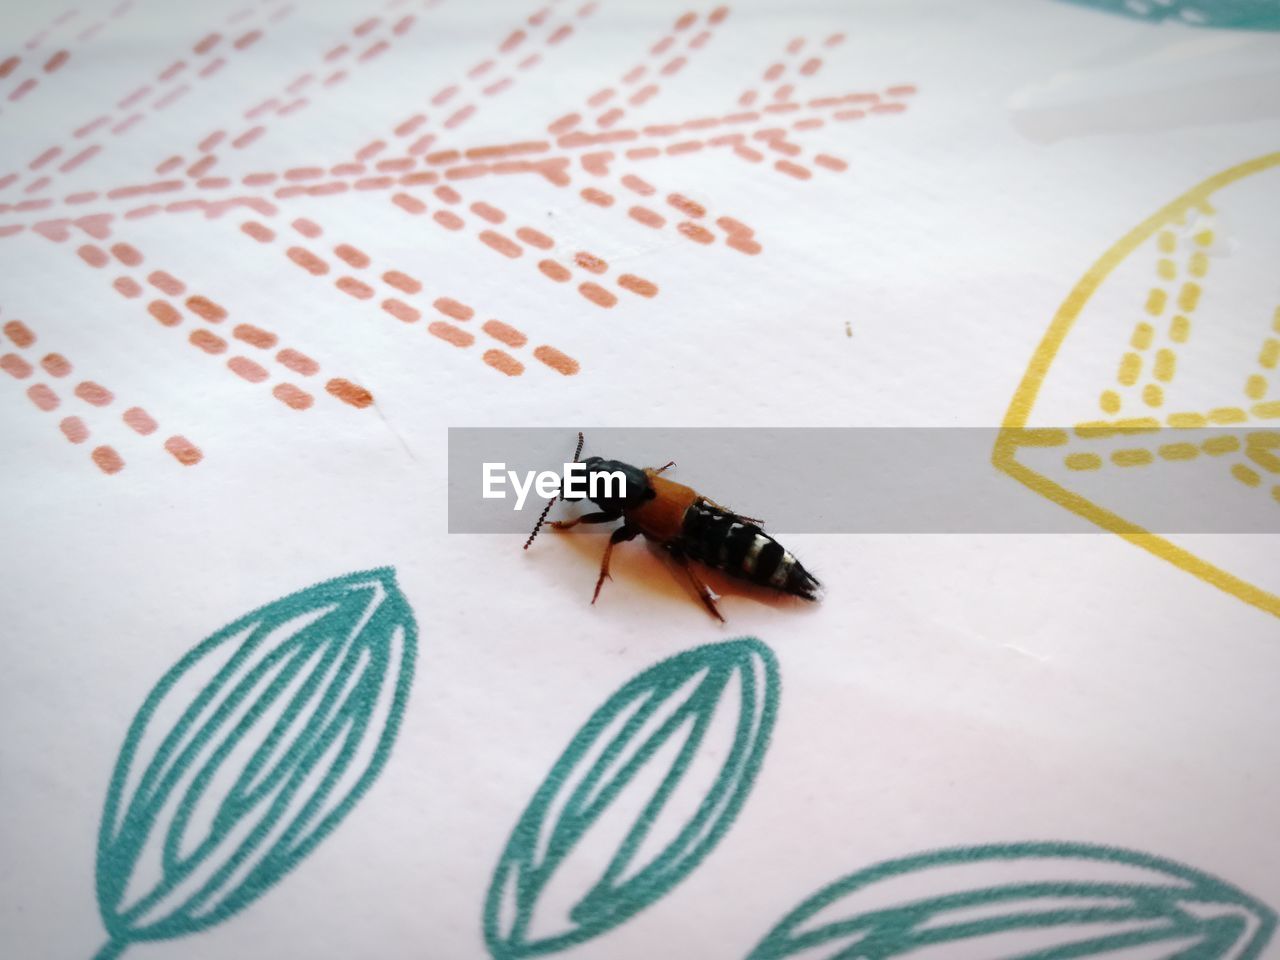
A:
950	691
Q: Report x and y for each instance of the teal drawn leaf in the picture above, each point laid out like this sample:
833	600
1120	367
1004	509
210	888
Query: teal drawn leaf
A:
1224	14
649	764
1024	901
248	752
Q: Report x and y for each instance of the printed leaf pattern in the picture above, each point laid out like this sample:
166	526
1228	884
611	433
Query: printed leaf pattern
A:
619	753
1032	901
1224	14
248	753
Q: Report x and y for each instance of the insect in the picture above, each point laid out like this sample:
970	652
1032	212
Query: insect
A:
688	526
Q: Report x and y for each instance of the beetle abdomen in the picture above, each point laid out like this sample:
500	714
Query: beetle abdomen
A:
740	548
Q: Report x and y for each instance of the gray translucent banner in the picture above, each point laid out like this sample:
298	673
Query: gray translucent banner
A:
905	480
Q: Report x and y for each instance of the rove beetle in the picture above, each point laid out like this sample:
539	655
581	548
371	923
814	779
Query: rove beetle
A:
689	527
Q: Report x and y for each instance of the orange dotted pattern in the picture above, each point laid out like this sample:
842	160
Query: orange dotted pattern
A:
422	167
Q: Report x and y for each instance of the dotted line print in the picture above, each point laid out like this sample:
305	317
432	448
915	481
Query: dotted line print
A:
422	169
73	426
155	96
398	293
28	70
1161	299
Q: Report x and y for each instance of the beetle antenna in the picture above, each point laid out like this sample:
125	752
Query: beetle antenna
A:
552	502
541	519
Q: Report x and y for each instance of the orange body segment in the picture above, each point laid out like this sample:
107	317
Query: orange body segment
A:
662	518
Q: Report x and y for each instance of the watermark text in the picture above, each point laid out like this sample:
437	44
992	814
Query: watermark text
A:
574	481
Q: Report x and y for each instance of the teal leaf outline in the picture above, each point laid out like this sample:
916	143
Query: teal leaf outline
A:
611	902
1220	14
347	645
899	930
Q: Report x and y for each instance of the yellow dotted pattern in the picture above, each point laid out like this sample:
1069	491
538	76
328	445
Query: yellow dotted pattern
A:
1262	448
1262	444
1141	456
1164	364
1187	420
1065	491
1256	386
1162	369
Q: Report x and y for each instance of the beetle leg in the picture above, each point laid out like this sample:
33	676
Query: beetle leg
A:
703	591
621	535
720	506
585	518
666	466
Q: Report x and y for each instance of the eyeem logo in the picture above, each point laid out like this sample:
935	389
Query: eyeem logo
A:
575	481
